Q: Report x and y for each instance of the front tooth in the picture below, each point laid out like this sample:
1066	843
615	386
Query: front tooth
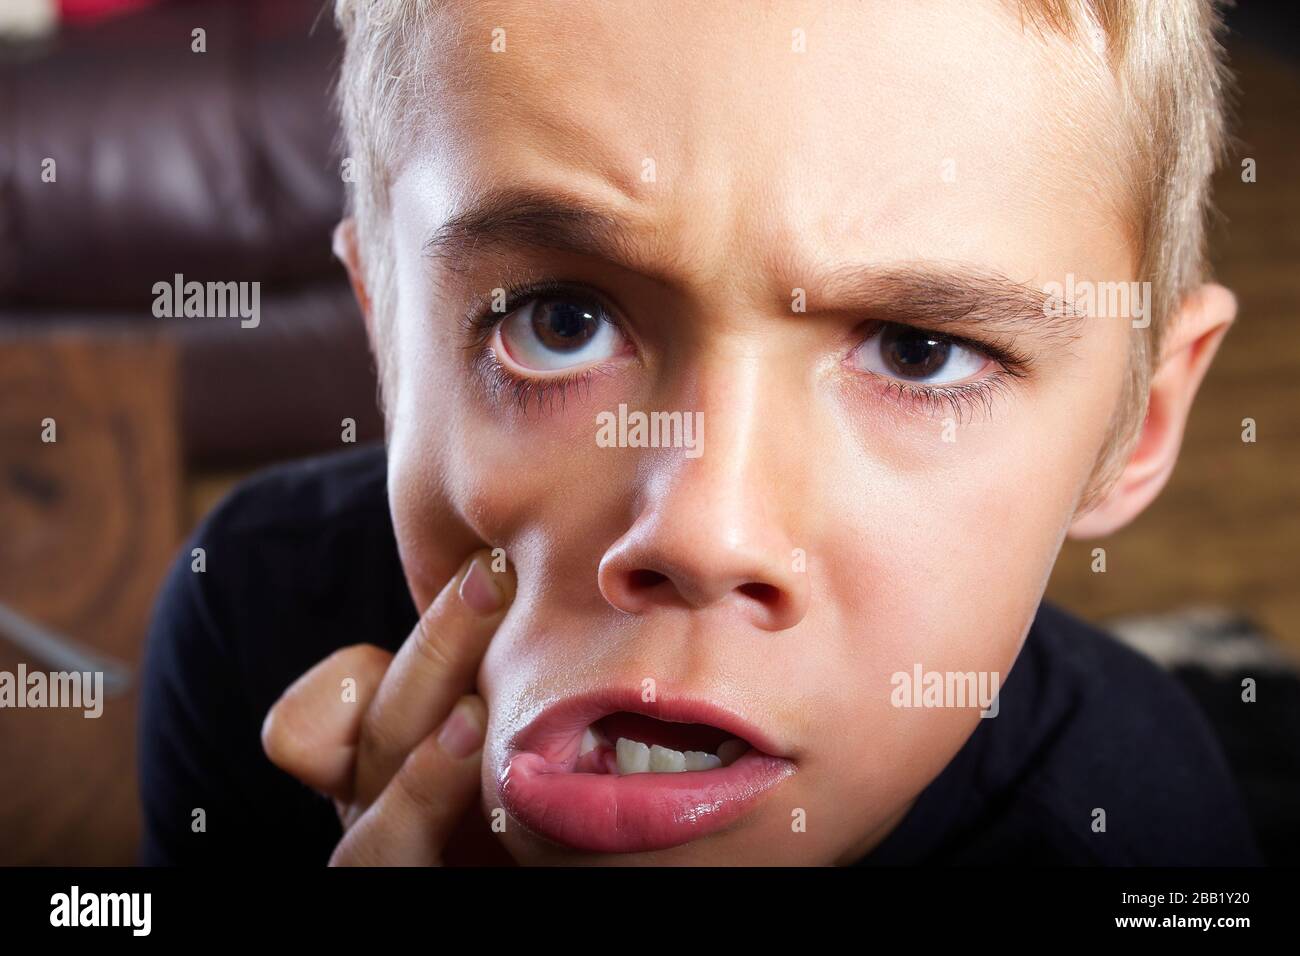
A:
699	760
666	760
731	751
633	756
589	742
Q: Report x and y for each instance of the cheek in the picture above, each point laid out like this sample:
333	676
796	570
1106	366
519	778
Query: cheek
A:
533	484
938	558
953	528
462	476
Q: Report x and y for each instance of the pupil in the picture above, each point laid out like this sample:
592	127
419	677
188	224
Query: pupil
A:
915	352
564	325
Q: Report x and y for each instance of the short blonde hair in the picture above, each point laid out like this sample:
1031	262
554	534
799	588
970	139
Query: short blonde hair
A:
1172	69
1166	54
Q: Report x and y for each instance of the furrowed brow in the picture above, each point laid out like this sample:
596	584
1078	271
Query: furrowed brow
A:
526	218
942	298
930	296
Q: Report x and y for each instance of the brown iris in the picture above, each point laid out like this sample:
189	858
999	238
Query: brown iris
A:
913	353
564	325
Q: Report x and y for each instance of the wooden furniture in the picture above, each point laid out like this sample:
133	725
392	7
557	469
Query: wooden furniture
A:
88	524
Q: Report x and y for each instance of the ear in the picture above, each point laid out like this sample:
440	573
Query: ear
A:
1190	344
346	250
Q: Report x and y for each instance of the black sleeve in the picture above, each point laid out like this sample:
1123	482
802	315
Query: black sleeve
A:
1085	724
200	742
1126	746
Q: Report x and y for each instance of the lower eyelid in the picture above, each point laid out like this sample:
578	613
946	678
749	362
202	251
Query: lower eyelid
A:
962	401
496	343
526	392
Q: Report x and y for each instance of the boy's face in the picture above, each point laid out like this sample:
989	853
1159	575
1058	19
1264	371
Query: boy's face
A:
867	499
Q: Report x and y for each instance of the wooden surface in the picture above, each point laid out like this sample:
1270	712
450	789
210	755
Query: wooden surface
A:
89	523
1226	530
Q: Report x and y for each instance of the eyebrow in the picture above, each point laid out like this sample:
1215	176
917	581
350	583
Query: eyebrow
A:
521	217
930	294
938	295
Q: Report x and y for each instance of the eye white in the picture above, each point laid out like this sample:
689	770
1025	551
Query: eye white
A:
524	347
958	361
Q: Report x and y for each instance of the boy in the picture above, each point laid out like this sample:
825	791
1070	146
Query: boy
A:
929	278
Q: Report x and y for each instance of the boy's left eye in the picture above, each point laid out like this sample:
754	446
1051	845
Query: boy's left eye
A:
908	354
559	333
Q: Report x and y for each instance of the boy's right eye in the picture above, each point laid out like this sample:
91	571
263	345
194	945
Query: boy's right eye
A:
558	332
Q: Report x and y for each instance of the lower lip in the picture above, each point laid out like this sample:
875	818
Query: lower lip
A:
608	813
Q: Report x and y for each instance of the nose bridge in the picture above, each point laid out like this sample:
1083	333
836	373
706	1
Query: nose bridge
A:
728	475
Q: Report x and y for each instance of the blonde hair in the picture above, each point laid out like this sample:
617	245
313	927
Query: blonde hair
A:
1169	60
1166	55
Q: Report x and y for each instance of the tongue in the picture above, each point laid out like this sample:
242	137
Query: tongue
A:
650	731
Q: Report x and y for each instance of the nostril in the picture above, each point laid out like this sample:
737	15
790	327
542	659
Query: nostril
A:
765	594
638	589
643	580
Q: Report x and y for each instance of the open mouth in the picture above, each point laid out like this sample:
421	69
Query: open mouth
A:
611	773
625	743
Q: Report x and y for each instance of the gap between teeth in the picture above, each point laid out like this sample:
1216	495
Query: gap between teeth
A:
636	757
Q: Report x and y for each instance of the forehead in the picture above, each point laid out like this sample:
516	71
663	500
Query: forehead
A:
806	131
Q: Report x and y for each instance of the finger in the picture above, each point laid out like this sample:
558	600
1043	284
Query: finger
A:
434	666
312	731
410	823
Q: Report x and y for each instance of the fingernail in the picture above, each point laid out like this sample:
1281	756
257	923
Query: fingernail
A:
479	591
460	735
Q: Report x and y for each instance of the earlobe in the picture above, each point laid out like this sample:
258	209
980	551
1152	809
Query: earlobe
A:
1190	345
347	251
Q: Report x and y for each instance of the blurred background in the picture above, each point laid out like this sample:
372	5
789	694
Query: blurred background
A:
223	165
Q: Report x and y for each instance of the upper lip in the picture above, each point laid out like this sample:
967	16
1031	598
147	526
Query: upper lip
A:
553	730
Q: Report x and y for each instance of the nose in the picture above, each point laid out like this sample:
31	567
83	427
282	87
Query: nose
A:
717	530
654	566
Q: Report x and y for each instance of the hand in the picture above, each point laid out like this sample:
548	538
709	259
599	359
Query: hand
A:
402	760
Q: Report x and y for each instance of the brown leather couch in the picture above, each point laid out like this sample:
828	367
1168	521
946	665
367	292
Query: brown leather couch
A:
220	166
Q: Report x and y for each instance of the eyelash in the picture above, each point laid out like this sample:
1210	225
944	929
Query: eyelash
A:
960	400
480	321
